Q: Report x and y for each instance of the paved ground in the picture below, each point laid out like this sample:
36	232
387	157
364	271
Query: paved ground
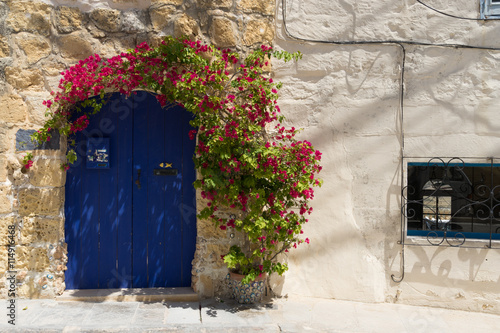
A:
280	315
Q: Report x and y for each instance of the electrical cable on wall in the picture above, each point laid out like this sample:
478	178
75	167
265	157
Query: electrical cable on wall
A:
384	41
401	44
450	15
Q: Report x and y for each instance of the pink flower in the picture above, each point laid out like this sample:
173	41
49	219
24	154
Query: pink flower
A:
28	164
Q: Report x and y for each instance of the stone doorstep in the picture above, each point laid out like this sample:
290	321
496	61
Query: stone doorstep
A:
185	294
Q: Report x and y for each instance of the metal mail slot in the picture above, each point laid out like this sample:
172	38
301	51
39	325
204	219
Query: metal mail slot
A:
98	153
165	172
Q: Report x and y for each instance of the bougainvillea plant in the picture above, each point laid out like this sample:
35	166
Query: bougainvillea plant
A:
247	160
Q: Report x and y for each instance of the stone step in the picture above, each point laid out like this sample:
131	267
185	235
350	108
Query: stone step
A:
184	294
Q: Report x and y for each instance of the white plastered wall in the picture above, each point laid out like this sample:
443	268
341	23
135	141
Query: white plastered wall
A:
347	99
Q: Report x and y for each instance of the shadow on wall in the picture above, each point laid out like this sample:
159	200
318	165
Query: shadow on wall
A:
451	277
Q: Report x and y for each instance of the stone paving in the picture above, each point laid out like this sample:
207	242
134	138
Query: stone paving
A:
215	315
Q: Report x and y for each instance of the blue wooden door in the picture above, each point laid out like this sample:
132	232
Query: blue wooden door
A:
132	225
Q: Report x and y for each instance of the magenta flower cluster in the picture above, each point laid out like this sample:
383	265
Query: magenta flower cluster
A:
247	164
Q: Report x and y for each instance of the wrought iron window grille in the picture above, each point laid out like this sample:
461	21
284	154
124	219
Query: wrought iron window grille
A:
450	201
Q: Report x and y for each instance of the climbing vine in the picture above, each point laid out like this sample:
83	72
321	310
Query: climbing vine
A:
247	160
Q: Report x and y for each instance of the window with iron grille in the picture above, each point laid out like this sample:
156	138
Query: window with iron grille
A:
450	200
490	9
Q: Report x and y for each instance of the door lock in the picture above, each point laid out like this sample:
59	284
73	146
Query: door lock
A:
138	181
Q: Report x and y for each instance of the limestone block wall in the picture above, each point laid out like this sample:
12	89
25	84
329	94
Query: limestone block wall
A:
347	97
41	38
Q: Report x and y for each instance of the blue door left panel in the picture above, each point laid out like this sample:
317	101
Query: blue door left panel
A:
98	205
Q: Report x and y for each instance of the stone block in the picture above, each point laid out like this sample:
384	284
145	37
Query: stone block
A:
37	229
13	109
4	140
68	19
53	69
95	31
265	7
111	47
5	223
40	201
13	162
106	19
3	259
21	275
214	4
214	252
22	79
4	47
60	252
30	16
186	25
32	258
222	32
28	290
160	17
59	286
269	66
153	39
125	2
258	31
52	74
36	110
35	47
167	2
207	229
5	202
133	22
3	168
47	173
75	46
206	285
22	257
39	260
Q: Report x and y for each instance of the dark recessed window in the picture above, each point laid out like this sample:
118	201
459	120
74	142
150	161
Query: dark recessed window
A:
447	199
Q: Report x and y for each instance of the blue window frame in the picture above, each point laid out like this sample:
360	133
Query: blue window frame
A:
490	9
452	200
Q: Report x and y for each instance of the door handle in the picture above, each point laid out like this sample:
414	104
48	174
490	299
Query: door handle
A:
138	181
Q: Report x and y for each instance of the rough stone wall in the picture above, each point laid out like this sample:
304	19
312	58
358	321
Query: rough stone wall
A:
38	40
347	97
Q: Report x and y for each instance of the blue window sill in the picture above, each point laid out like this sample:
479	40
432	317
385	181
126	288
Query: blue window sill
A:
468	235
